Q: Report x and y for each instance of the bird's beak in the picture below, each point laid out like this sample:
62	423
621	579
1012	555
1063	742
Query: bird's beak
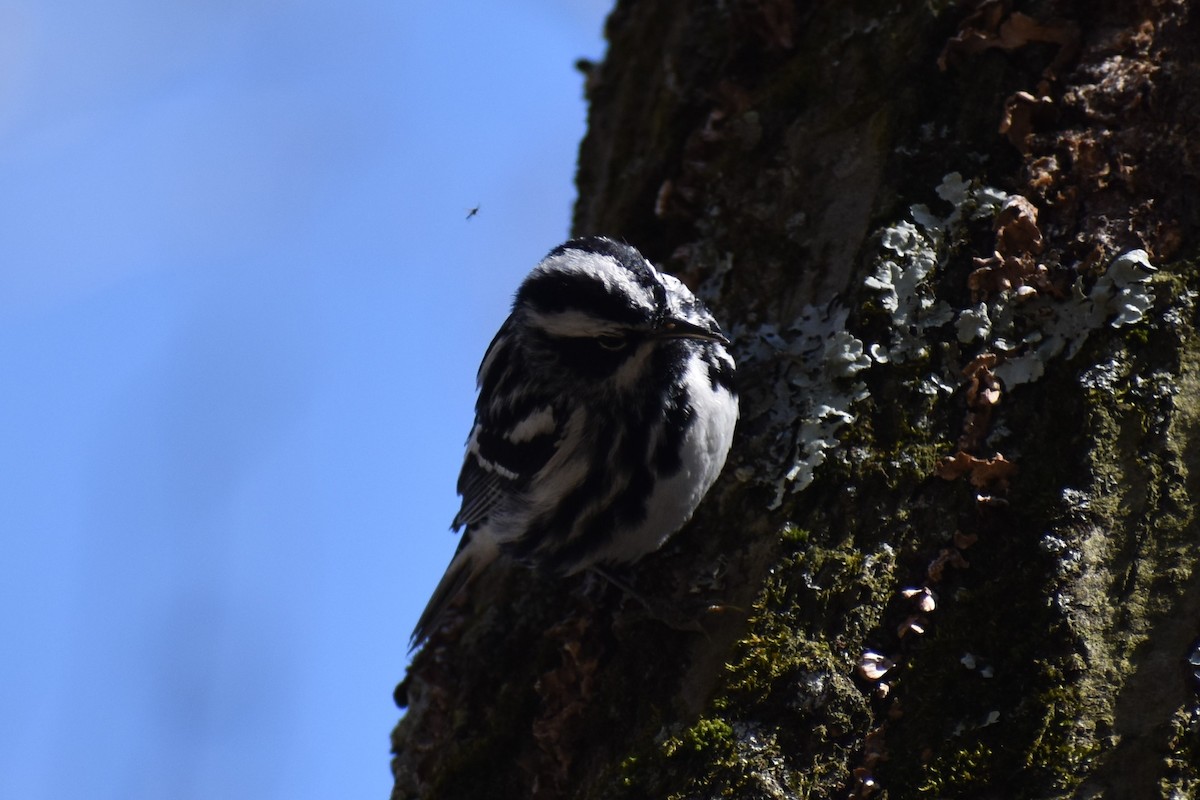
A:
682	329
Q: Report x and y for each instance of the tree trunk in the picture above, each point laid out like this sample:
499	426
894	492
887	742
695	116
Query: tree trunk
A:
953	553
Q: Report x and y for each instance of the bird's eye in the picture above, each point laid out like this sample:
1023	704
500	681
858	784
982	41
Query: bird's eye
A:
611	341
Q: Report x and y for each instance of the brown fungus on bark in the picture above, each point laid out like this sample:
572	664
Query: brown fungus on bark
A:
994	26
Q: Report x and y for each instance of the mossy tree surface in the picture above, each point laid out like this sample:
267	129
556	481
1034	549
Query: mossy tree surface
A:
954	551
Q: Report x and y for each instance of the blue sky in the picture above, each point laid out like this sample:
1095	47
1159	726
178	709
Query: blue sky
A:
240	314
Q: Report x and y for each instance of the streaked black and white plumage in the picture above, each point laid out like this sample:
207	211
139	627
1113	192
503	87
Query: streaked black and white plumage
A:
606	409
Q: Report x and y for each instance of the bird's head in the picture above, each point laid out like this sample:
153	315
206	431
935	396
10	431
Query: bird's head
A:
597	309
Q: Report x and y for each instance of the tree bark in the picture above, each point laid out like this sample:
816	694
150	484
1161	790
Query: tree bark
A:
954	551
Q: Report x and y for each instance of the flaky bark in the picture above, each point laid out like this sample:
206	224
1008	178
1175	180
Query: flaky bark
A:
953	553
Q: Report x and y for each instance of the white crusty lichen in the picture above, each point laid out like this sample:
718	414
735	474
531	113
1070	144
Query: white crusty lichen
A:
822	360
1026	329
911	254
974	323
1030	332
902	278
967	199
825	361
1124	289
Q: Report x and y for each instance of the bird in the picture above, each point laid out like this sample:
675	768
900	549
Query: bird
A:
606	408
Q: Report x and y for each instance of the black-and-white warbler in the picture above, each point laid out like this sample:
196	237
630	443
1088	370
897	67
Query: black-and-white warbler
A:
606	409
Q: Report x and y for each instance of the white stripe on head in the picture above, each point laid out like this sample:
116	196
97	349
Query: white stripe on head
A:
604	268
572	323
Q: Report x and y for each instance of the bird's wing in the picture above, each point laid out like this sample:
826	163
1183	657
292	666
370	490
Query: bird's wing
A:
501	462
516	433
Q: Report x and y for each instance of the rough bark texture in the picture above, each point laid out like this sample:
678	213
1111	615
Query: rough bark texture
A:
954	552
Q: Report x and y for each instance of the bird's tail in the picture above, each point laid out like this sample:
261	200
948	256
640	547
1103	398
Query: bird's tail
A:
468	562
